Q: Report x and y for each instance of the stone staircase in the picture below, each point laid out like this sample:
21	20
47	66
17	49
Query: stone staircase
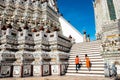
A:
92	49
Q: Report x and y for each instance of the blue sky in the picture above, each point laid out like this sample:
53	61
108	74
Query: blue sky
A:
80	13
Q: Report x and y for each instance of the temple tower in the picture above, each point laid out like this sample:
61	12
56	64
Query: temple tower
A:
107	17
106	12
31	39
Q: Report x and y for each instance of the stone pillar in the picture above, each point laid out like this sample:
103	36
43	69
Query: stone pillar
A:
84	37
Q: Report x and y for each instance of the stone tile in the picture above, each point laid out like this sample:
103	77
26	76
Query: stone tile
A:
60	78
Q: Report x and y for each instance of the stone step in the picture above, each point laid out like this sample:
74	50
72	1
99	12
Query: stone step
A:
83	60
74	69
87	43
86	46
86	72
81	54
83	47
102	66
78	74
78	51
92	60
84	52
84	68
83	57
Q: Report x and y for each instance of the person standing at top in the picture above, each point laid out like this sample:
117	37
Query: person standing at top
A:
77	62
88	64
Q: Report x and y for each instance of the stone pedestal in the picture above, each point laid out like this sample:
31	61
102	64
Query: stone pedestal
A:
22	71
18	71
63	69
56	69
5	71
27	70
37	70
46	70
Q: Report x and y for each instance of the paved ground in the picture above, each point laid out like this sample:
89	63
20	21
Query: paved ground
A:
59	78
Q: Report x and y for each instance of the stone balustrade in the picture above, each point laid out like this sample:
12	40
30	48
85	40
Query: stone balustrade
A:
59	42
107	54
45	55
5	54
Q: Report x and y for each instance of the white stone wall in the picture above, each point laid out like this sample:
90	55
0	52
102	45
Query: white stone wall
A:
68	30
102	16
117	8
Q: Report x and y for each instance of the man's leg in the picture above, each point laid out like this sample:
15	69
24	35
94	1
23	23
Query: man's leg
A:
76	67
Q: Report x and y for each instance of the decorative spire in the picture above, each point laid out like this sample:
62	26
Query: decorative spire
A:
41	28
33	1
34	30
9	26
70	37
3	27
56	29
42	1
19	29
26	26
48	31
